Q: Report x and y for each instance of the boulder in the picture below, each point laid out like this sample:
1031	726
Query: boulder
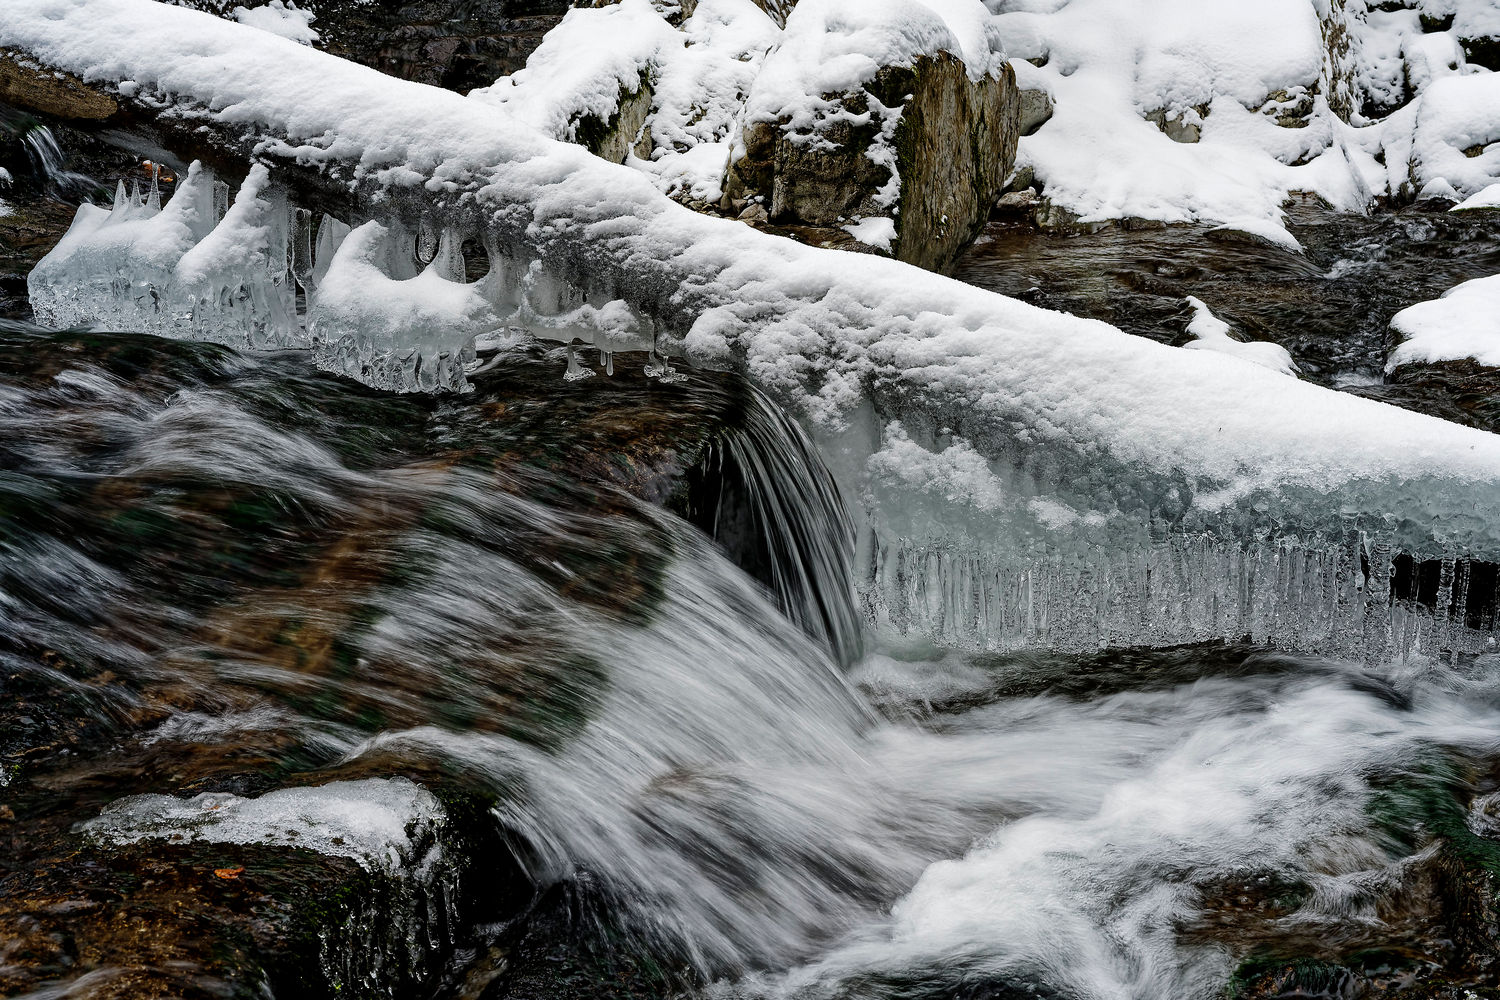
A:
951	147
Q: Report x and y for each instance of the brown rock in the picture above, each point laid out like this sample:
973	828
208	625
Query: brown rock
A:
955	143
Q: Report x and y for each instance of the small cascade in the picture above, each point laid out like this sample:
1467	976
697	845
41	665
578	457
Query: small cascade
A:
774	506
50	164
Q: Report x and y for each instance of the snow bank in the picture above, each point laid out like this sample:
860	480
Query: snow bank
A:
1149	438
1463	323
375	822
1246	89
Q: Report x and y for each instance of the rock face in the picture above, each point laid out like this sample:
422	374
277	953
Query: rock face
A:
459	45
954	142
625	131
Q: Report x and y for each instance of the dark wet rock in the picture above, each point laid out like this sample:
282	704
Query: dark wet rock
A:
1462	390
1482	51
1437	932
1329	307
954	144
460	46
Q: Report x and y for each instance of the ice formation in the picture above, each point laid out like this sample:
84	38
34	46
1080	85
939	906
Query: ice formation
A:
203	268
377	822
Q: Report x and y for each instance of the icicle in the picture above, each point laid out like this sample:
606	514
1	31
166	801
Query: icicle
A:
153	204
136	201
448	260
607	359
427	242
576	371
659	367
302	250
122	200
331	233
221	200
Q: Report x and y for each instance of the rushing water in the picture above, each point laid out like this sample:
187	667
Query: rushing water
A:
233	560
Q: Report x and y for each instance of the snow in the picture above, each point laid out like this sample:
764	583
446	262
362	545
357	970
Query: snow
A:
583	66
876	231
1091	417
1212	334
369	821
1262	229
1463	323
286	20
1488	198
1233	67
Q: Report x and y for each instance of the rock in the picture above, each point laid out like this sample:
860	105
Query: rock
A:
1482	51
457	46
1018	201
1180	126
625	131
1036	110
755	214
954	145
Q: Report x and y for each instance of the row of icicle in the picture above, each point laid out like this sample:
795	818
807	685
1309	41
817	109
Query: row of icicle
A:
388	306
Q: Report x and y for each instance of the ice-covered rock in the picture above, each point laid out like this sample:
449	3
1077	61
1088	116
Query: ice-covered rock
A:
380	823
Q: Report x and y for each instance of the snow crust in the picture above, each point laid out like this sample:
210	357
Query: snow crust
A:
1463	323
372	821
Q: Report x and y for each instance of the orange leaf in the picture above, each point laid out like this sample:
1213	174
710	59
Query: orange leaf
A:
229	873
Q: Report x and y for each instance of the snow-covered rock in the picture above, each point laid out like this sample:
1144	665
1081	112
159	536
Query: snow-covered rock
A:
1212	334
904	111
1463	323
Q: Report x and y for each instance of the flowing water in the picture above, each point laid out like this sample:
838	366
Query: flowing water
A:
256	578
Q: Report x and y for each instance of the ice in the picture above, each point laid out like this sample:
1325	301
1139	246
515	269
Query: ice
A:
116	267
233	286
377	822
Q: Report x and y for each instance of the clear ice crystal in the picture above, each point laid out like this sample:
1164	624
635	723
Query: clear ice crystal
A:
385	303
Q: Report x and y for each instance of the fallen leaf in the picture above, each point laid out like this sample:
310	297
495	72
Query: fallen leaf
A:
229	873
